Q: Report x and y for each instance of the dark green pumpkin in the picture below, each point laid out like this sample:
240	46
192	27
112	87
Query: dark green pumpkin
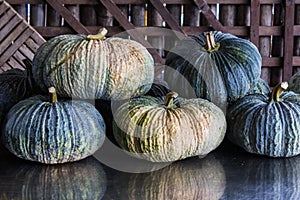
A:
15	85
91	67
165	129
294	83
266	124
260	87
213	65
85	179
53	131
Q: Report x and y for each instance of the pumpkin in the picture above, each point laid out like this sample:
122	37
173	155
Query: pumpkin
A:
85	179
266	124
261	87
15	85
294	83
159	130
52	131
216	66
188	179
91	67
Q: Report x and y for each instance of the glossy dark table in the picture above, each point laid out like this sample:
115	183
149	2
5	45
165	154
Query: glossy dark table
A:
226	173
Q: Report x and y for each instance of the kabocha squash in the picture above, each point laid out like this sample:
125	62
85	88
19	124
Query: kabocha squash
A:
266	125
91	67
15	85
261	87
217	66
294	83
188	179
159	130
51	131
85	179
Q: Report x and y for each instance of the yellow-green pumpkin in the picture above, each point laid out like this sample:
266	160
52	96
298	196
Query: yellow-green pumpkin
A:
168	128
92	67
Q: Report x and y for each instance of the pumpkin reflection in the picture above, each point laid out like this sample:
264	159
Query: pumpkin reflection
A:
268	179
192	178
84	179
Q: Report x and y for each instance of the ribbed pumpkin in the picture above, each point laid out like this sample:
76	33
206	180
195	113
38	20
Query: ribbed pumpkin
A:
159	130
92	67
266	125
261	87
53	131
217	66
15	85
188	179
85	179
294	83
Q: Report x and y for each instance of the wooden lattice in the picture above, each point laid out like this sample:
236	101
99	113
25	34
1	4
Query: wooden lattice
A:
18	40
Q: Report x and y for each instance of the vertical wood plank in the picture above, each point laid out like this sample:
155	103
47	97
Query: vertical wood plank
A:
88	15
37	14
228	15
104	17
138	15
21	9
53	18
243	15
74	10
254	21
203	20
265	41
288	39
191	15
277	45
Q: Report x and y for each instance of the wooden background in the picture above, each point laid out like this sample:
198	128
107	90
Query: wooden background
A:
272	25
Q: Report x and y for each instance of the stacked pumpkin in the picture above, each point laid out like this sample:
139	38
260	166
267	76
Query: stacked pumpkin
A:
225	69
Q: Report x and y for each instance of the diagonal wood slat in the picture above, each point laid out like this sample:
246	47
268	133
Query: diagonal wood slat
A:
67	15
121	18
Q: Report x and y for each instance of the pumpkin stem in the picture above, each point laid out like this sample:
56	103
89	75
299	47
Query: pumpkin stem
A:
169	102
99	36
211	45
52	95
277	90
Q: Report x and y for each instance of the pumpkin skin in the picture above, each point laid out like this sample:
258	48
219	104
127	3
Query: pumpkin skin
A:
266	125
215	65
85	179
261	87
53	132
90	67
15	85
159	130
294	83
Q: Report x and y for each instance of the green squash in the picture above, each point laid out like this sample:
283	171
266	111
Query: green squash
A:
260	87
266	124
85	179
216	66
294	83
91	67
15	85
163	129
53	131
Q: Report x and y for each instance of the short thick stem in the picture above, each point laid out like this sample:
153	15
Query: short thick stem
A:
99	36
52	95
169	102
277	90
211	45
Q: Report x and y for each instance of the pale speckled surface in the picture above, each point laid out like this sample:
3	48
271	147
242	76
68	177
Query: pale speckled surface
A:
227	173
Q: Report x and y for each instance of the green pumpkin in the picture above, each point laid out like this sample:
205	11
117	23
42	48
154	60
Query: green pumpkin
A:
15	85
53	131
159	130
85	179
91	67
216	66
294	83
266	124
260	87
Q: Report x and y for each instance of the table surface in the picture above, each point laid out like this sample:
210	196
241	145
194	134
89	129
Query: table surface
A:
226	173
